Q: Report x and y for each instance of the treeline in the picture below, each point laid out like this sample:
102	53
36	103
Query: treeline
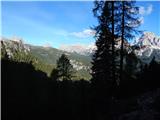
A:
39	64
26	57
30	94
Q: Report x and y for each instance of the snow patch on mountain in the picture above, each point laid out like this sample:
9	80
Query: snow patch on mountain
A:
148	47
149	39
79	48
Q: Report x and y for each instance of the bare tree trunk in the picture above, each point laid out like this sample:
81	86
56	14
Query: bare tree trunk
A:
122	44
113	45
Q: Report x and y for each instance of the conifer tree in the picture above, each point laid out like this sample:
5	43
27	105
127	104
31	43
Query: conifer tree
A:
101	70
104	59
64	68
127	27
117	20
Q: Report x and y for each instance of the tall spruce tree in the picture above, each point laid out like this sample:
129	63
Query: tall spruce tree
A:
104	66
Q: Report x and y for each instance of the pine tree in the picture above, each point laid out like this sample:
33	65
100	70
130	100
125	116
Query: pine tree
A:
64	68
54	74
127	27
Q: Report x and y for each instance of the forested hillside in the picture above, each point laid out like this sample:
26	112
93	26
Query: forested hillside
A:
44	58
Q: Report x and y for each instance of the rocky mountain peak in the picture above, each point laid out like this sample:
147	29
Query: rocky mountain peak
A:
13	45
149	39
148	47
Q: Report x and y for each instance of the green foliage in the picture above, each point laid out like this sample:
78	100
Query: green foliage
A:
81	74
44	59
3	51
51	55
64	69
23	57
30	59
47	68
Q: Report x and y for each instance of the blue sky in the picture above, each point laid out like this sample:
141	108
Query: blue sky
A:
62	23
150	12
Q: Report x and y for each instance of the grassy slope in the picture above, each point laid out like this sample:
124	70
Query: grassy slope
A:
50	56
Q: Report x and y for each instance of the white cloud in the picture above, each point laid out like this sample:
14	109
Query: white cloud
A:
149	9
146	11
141	10
84	34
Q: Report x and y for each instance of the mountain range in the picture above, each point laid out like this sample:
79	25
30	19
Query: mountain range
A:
146	48
47	55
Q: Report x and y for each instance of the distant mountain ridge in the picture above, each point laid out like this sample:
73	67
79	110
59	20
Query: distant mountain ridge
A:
146	48
50	55
47	55
81	49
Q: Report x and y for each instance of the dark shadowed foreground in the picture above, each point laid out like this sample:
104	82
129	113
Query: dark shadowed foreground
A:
29	94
